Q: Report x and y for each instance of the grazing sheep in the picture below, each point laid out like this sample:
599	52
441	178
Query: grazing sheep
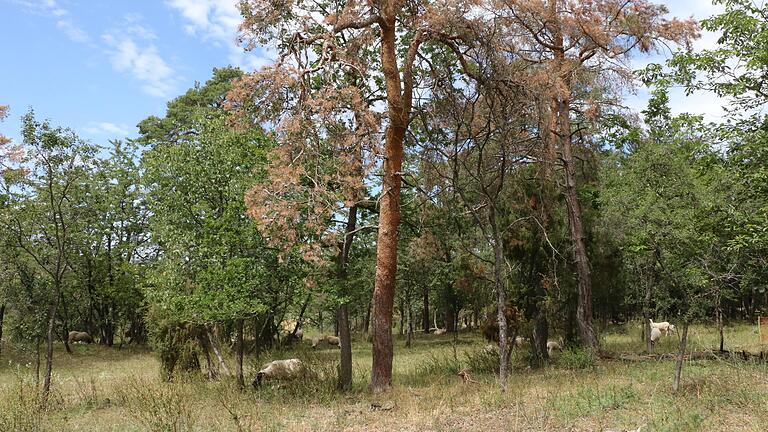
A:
664	327
553	347
316	341
655	335
333	340
280	370
300	334
76	336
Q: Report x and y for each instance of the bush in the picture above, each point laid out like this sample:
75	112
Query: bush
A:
161	407
577	359
21	409
176	344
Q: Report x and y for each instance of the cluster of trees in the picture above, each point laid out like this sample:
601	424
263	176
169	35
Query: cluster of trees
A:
475	155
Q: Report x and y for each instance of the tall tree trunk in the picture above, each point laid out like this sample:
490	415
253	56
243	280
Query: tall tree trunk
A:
222	364
2	316
300	319
540	333
680	356
578	238
449	318
402	317
719	310
239	354
367	322
647	318
409	338
345	338
501	295
52	311
561	102
425	311
37	363
202	339
65	322
389	214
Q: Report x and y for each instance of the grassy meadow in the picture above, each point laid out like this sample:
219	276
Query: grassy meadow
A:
103	389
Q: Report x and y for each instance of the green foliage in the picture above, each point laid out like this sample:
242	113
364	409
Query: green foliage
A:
575	358
214	264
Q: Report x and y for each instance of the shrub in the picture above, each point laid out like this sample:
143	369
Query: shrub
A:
577	359
161	407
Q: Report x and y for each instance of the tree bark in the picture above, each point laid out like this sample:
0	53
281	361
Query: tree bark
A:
425	312
680	356
540	334
37	364
409	338
719	310
345	338
501	294
367	322
389	214
2	316
52	310
561	102
217	352
239	354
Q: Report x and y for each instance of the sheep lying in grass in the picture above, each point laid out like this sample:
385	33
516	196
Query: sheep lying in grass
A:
440	331
663	327
284	370
76	336
330	340
553	347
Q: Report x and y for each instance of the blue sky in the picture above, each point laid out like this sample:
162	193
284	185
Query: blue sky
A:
100	67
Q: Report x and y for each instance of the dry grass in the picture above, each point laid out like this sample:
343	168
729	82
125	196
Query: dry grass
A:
100	389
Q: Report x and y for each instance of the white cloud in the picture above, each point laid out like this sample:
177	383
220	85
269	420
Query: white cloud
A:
51	8
107	128
141	61
75	33
217	21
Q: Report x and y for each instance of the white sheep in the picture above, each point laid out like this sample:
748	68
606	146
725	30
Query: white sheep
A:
280	370
440	331
333	340
655	335
553	347
663	327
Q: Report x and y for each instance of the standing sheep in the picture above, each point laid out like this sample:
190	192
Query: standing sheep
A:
663	327
280	370
553	347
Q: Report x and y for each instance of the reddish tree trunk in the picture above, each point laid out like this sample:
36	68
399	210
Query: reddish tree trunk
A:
389	215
